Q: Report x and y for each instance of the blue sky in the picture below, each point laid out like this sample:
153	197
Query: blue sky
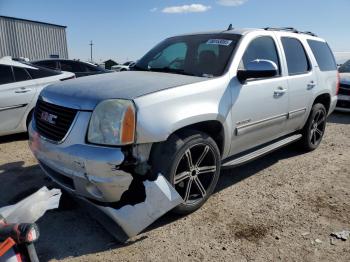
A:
126	29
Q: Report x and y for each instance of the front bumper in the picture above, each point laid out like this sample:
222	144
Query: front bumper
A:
86	170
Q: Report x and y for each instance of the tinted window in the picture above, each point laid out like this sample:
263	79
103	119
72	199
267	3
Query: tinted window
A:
297	61
20	74
48	64
204	55
323	55
74	67
261	48
92	68
41	72
345	68
5	75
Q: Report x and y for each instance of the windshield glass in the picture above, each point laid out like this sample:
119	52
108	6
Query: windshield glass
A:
205	55
345	68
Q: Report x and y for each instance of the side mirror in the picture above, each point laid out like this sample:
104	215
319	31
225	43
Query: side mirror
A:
259	68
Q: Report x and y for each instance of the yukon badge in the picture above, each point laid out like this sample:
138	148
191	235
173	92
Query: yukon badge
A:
47	117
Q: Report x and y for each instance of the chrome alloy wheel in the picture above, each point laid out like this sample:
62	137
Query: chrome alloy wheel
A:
195	173
318	126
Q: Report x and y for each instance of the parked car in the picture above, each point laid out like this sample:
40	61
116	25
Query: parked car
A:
194	104
123	67
79	68
343	103
20	85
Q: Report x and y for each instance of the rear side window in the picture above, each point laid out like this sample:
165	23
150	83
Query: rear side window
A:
297	61
261	48
41	72
323	55
74	67
20	74
6	75
49	64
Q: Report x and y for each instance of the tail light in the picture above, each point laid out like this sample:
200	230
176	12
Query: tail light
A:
338	84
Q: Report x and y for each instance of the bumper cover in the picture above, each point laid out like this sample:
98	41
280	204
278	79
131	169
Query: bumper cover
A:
85	170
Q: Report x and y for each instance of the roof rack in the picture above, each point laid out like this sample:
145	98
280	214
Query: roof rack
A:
289	29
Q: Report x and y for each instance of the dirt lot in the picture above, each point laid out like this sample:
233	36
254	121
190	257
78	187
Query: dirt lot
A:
271	209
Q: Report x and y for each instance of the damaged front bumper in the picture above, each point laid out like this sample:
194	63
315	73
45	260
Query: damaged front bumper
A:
82	169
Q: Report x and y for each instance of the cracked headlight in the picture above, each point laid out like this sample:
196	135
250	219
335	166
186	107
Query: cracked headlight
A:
112	123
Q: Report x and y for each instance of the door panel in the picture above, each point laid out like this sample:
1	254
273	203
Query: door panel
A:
14	99
258	114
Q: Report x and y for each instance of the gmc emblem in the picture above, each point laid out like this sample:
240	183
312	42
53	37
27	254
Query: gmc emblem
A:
50	118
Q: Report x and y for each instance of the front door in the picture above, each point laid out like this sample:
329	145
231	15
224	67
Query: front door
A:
14	96
260	106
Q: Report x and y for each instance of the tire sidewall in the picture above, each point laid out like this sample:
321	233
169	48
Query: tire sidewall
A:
307	132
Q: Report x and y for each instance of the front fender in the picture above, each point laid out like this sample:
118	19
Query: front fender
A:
162	113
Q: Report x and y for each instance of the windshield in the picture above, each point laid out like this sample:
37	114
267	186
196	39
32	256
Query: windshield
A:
205	55
345	68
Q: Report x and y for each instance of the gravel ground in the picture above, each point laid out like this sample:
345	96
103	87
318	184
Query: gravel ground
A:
268	210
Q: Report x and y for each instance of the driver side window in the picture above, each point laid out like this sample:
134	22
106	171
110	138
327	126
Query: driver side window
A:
262	47
173	57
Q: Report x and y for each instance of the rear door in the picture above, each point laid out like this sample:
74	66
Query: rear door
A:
302	80
260	106
75	67
17	90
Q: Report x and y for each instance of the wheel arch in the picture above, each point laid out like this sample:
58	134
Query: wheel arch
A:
325	99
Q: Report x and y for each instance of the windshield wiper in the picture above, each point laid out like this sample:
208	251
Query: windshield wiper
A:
171	71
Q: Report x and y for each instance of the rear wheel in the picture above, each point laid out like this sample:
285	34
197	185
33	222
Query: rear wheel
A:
191	162
314	128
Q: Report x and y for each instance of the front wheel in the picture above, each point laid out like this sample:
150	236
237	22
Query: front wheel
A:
191	162
314	128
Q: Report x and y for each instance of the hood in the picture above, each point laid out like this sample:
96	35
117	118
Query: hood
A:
345	78
86	92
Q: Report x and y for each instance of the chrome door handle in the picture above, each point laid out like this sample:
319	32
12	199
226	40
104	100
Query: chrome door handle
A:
279	91
311	85
21	91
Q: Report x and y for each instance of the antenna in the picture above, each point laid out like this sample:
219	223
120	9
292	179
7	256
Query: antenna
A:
229	27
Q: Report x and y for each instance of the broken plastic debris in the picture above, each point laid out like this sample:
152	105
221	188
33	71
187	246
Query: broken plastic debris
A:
343	235
30	209
160	198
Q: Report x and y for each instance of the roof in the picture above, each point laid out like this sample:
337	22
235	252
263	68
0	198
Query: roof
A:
7	60
33	21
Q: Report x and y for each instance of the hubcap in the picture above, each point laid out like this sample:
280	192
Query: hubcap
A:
195	173
317	127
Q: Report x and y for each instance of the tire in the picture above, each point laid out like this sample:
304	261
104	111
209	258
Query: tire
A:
314	128
171	159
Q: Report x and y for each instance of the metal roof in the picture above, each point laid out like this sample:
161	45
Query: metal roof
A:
33	21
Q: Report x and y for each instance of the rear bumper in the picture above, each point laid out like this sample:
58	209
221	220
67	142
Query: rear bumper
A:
83	169
343	103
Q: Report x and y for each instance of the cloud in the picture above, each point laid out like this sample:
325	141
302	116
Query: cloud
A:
193	8
231	2
154	9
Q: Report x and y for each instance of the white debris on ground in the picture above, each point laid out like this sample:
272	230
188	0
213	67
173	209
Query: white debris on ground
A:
343	235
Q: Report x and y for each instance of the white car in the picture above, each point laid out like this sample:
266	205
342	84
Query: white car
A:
20	86
123	67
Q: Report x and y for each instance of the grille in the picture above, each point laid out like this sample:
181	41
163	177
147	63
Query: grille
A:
344	104
53	121
344	89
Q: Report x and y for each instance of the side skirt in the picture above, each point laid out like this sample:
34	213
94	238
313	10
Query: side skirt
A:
259	152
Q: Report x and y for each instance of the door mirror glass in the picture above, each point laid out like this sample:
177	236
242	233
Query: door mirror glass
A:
259	68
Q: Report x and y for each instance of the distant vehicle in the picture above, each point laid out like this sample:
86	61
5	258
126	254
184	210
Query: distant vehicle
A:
343	103
123	67
79	68
20	85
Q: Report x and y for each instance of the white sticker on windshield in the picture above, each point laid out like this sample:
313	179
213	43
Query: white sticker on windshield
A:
224	42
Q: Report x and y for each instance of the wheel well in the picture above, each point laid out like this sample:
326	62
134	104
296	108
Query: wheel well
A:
213	128
324	99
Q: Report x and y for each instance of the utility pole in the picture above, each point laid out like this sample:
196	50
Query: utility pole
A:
91	44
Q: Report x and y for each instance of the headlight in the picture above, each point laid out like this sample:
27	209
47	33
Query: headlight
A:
113	123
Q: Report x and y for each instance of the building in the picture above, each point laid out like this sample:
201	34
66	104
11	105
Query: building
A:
109	63
32	39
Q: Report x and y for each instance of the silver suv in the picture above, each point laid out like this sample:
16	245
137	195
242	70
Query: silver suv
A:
192	105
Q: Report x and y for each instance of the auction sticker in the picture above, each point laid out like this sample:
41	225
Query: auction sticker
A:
224	42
